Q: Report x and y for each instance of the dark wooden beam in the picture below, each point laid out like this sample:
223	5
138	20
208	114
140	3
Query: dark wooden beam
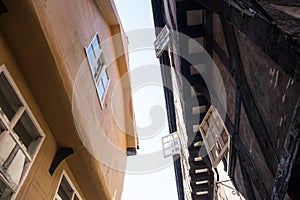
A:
158	18
209	32
196	80
179	178
183	6
223	57
283	2
198	58
168	91
170	109
198	100
288	155
198	165
238	104
276	42
193	31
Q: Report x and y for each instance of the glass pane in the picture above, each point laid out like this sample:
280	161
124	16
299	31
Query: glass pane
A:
210	141
9	101
7	143
15	169
92	60
65	191
224	136
26	130
100	90
90	53
105	79
2	127
96	46
100	63
219	124
215	132
167	152
176	143
102	59
98	69
205	128
219	146
5	193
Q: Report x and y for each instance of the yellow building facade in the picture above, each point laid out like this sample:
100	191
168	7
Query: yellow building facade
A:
48	140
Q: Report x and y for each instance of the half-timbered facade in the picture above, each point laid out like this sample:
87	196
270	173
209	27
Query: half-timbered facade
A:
255	48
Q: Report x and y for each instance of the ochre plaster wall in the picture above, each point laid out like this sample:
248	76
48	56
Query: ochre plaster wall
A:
48	40
38	184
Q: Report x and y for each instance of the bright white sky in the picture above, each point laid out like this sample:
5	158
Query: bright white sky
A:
158	182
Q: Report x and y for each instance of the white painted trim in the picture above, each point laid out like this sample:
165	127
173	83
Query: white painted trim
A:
208	133
107	86
41	139
101	101
64	174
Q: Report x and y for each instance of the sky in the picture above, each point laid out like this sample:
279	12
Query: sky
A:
149	176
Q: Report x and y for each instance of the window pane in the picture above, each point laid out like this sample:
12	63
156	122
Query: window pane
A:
2	127
65	191
102	59
92	59
105	79
91	55
16	168
210	141
224	136
12	157
98	69
216	138
171	144
26	131
100	63
5	193
7	144
100	90
9	101
205	127
96	46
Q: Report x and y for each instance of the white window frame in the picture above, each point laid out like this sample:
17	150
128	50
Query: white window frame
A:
75	192
162	41
214	134
98	72
10	124
171	144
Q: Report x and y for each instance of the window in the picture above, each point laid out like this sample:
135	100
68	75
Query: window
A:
215	136
20	136
162	41
97	64
66	190
171	144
